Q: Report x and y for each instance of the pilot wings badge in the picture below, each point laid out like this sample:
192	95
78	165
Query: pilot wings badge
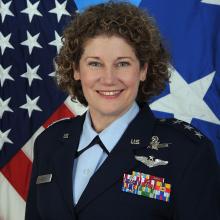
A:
150	161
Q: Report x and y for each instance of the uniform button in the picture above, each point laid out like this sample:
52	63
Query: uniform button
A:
86	172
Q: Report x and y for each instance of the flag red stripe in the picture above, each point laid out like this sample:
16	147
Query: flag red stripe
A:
61	112
17	171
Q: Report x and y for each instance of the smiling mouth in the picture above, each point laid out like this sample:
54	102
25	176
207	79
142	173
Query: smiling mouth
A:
112	93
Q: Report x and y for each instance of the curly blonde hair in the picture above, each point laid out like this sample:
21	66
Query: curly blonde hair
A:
114	19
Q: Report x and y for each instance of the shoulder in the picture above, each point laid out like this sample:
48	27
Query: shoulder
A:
61	123
57	134
189	149
185	141
173	127
59	127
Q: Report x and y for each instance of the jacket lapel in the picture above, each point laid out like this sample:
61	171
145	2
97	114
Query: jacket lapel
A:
64	157
121	159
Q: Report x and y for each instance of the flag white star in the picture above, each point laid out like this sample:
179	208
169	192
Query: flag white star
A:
31	105
52	74
60	10
4	138
4	42
185	101
57	42
4	74
31	42
4	10
4	106
212	2
31	10
31	74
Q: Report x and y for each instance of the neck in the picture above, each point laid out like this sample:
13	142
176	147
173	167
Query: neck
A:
100	123
100	120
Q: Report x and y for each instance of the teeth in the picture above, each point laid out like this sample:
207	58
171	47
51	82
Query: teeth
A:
109	93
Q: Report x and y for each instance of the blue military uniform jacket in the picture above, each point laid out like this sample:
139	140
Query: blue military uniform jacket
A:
192	172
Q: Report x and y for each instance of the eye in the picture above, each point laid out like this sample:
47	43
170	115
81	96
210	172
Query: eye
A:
94	64
123	64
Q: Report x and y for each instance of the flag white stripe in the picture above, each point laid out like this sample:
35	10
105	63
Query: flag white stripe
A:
29	146
75	107
12	206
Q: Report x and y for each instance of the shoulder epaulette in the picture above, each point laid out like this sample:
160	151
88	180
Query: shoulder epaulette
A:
59	120
184	127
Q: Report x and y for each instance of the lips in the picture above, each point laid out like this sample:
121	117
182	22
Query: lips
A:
107	93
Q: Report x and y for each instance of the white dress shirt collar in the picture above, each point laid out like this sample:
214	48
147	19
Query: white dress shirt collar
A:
111	134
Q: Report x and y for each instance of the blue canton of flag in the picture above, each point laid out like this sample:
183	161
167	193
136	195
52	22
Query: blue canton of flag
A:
29	40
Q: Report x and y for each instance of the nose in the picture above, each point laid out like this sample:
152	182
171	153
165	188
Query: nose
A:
108	76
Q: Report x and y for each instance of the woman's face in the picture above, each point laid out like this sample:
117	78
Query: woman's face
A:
110	75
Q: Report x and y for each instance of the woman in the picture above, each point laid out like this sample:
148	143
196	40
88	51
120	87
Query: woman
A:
117	161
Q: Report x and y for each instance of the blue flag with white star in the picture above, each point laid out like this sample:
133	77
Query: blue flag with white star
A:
191	32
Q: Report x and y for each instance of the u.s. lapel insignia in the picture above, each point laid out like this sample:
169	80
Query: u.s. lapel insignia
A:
135	141
66	135
150	161
156	145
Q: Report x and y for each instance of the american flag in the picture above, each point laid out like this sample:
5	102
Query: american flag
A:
30	37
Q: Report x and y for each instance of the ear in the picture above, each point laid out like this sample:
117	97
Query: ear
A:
143	72
76	75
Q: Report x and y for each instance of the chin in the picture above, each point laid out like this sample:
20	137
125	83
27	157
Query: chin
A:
113	111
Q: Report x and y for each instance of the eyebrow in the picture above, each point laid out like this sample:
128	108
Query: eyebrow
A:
98	58
119	58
